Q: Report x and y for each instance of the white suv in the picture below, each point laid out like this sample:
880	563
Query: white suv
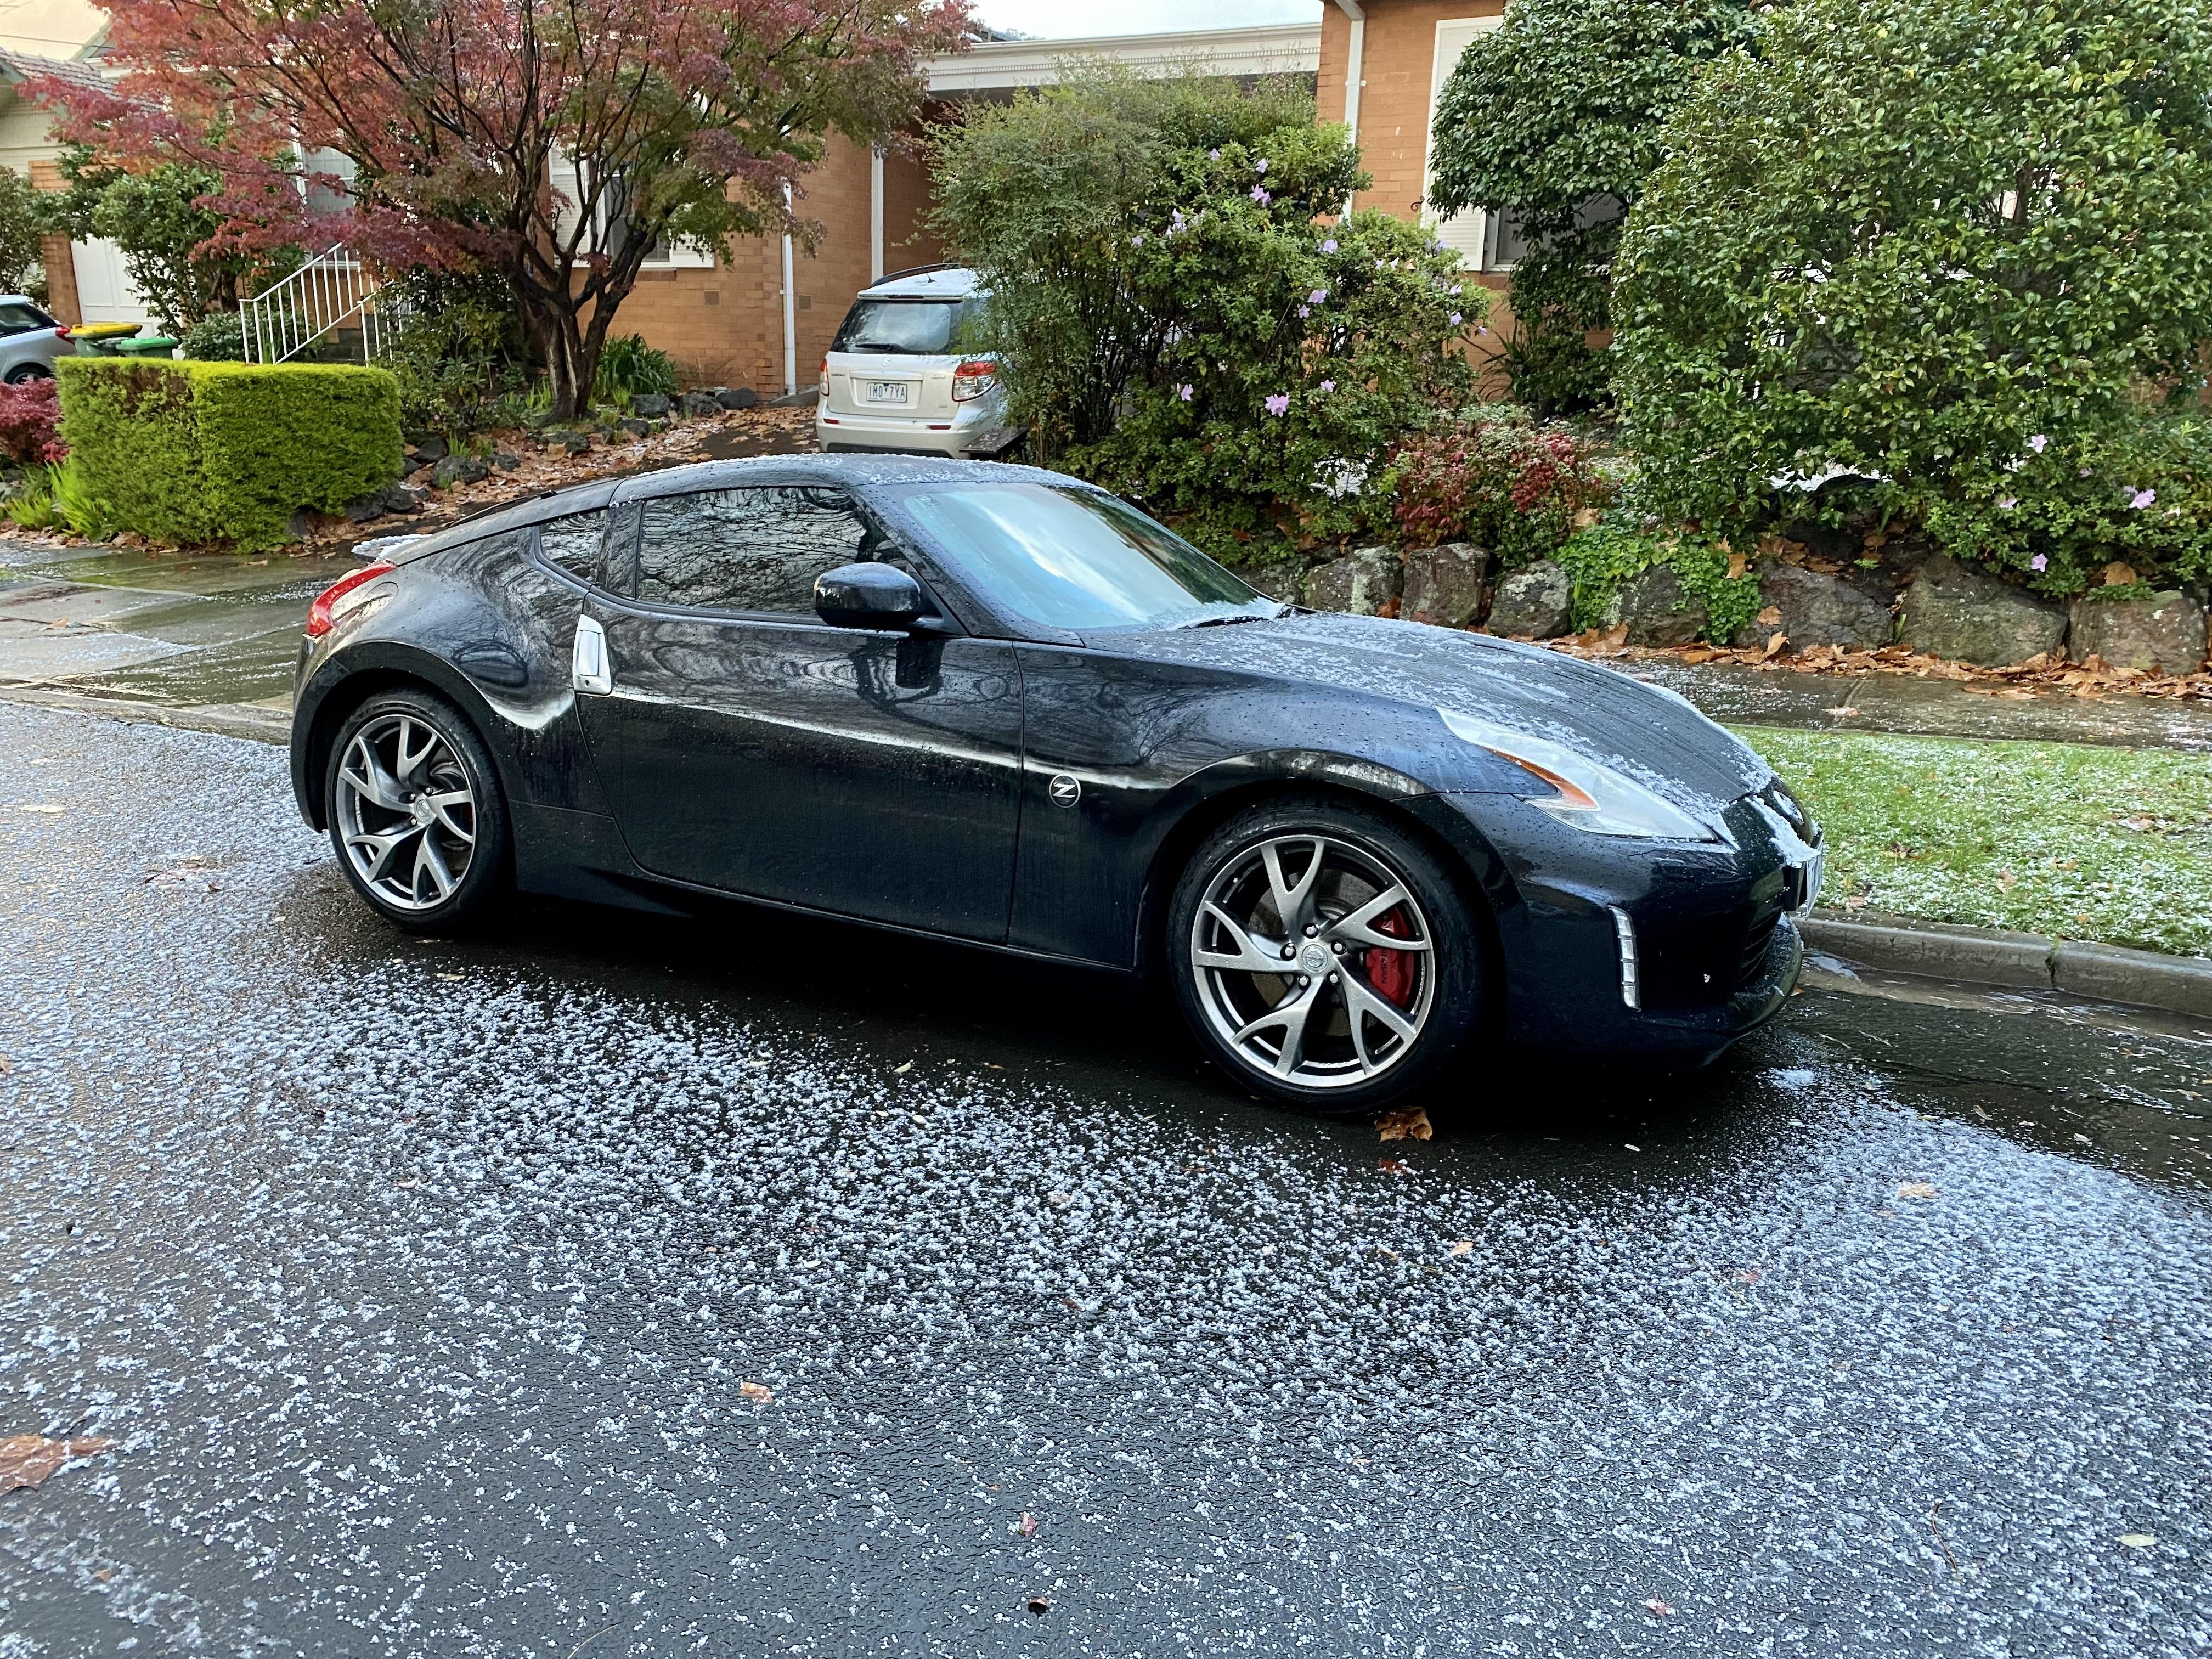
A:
896	377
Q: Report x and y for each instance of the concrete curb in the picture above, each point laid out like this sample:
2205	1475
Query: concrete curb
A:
2106	973
230	719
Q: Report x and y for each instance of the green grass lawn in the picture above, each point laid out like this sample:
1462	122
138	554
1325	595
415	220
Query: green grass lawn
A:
2069	840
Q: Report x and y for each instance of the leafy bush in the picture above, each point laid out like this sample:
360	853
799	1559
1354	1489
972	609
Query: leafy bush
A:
1498	480
630	369
28	412
30	503
457	349
1555	118
1909	243
1172	319
1601	558
59	497
217	337
191	452
22	233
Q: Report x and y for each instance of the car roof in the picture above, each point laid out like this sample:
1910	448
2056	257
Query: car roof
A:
849	471
944	283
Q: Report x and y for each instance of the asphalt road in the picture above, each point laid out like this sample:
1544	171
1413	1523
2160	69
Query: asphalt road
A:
420	1283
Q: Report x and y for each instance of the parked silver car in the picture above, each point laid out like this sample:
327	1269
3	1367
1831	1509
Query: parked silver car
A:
30	340
901	373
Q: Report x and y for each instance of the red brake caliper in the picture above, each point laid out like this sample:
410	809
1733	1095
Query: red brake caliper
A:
1391	972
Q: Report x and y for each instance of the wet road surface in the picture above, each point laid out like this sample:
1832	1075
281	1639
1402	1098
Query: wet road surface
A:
420	1284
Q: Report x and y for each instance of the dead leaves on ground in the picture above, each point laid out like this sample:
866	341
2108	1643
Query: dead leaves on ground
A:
1917	1189
1405	1126
759	1393
2022	681
26	1460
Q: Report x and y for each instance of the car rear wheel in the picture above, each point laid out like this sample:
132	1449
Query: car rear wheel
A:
1324	956
22	371
416	811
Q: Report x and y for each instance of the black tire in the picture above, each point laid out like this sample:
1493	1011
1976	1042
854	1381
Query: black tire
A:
383	818
1439	992
23	371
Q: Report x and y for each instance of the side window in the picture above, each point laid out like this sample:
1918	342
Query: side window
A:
16	317
746	549
572	543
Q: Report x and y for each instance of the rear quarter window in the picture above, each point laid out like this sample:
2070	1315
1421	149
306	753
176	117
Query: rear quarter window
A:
16	317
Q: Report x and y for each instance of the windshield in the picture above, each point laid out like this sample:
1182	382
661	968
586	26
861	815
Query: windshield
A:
919	328
1077	559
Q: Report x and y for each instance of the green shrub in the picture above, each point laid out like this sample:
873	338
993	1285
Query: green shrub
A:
217	337
458	349
30	503
1907	243
191	452
1497	479
630	369
1602	557
1556	117
1172	320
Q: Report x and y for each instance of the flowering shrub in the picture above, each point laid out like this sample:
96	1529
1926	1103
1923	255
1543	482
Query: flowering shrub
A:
29	412
1176	320
1497	479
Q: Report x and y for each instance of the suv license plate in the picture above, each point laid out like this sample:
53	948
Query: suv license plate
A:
884	391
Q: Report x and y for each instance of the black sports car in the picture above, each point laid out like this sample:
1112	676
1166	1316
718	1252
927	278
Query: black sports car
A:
996	705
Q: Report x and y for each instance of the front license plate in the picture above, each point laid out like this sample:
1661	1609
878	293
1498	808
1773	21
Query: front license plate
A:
884	391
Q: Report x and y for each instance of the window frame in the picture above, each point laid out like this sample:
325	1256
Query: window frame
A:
1474	242
596	581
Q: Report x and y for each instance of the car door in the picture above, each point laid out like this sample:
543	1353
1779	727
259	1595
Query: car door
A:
748	745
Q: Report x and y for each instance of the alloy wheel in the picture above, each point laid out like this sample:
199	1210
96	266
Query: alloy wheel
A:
1313	961
406	812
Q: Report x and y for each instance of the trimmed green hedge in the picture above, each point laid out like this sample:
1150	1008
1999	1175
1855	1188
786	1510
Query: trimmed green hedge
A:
195	453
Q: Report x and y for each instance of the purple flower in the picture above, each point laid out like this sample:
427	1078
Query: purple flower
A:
1305	310
2037	563
2038	443
2008	503
1329	246
1328	386
1213	155
1137	240
1280	404
2141	499
1479	330
1260	195
1183	392
1455	320
1316	296
1261	165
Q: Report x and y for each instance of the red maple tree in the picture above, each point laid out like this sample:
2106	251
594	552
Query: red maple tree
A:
557	141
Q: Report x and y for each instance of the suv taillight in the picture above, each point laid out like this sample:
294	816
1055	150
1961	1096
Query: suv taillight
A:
972	378
823	390
330	604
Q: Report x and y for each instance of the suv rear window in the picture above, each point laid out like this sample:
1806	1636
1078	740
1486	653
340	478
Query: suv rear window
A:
919	328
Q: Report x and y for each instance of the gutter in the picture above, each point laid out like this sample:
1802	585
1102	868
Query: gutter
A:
1355	60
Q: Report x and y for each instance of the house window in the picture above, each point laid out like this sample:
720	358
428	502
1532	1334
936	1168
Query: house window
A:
1467	233
571	186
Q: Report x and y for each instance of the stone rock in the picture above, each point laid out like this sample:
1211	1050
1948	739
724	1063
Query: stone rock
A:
648	403
630	426
1953	612
1817	610
460	468
1657	609
1359	584
1443	584
742	397
698	403
432	448
1535	602
302	524
411	464
2164	633
504	461
398	498
367	510
576	443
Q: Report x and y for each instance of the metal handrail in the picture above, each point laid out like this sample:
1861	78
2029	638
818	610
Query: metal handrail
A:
321	296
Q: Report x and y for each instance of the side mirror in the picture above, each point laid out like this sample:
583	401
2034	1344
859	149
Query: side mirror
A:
878	596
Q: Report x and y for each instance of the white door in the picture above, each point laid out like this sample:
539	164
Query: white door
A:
1461	232
104	292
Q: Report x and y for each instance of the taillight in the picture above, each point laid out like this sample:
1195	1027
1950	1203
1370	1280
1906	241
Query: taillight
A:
972	378
62	333
331	604
823	390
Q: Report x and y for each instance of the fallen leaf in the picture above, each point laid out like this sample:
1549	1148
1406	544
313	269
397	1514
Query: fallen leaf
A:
1462	1247
6	1065
2120	573
1736	565
901	1071
1842	711
1405	1126
1916	1190
2140	826
2138	1541
1770	617
1391	1165
1775	641
1028	1527
1632	1146
26	1460
1660	1609
759	1393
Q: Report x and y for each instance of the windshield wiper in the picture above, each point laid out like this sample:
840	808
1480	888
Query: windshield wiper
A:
1245	617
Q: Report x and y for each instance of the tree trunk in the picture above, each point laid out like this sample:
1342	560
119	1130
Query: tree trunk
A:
571	346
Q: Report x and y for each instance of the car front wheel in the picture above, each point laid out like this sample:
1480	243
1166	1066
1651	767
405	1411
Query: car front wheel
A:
416	811
1324	956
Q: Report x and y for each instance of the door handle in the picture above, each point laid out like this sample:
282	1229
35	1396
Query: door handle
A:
589	667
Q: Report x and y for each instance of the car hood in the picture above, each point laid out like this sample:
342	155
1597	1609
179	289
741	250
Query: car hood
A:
1645	730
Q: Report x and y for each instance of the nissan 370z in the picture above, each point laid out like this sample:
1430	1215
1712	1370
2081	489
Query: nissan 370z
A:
995	705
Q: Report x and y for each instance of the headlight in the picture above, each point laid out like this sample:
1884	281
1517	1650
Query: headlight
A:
1582	793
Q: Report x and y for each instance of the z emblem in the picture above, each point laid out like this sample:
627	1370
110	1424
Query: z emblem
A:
1064	790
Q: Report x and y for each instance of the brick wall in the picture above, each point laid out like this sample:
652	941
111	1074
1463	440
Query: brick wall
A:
54	251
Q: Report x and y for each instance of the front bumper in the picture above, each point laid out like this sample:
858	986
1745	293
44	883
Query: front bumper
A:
1715	944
